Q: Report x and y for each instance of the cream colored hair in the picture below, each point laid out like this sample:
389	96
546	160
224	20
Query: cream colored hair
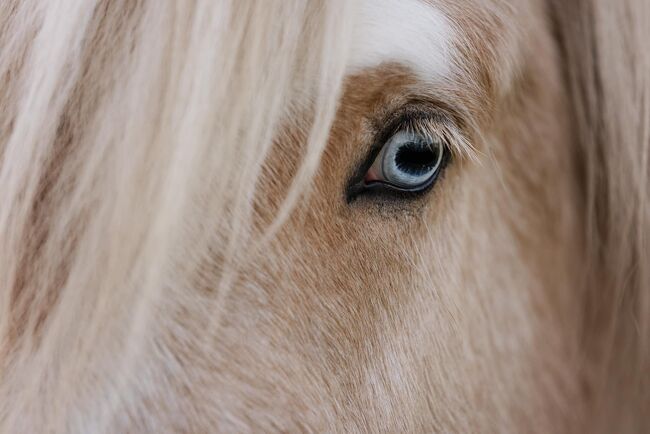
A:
605	46
116	122
127	126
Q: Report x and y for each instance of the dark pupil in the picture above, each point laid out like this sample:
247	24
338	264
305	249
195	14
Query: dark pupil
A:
416	159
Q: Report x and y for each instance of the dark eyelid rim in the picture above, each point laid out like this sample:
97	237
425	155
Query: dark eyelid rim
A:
392	123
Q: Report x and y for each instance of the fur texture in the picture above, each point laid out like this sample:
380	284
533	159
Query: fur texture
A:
179	253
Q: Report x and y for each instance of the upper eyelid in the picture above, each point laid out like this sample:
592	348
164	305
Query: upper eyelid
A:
448	132
426	118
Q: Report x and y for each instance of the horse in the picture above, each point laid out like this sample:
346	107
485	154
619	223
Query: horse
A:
324	216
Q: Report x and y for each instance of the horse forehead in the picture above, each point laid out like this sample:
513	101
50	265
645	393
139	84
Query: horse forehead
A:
414	33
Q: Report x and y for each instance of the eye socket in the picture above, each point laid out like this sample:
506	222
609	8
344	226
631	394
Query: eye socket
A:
408	161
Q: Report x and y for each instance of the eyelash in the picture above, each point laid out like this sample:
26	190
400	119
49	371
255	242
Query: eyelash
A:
423	123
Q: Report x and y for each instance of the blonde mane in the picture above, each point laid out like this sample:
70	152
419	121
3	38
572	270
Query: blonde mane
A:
114	125
127	126
608	70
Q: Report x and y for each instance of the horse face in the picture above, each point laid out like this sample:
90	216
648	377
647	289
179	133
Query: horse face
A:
390	306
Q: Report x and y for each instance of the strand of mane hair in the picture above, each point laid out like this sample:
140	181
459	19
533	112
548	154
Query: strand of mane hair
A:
604	44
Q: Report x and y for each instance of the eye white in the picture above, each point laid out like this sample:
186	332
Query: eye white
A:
408	160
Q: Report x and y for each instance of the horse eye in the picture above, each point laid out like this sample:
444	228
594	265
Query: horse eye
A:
408	161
